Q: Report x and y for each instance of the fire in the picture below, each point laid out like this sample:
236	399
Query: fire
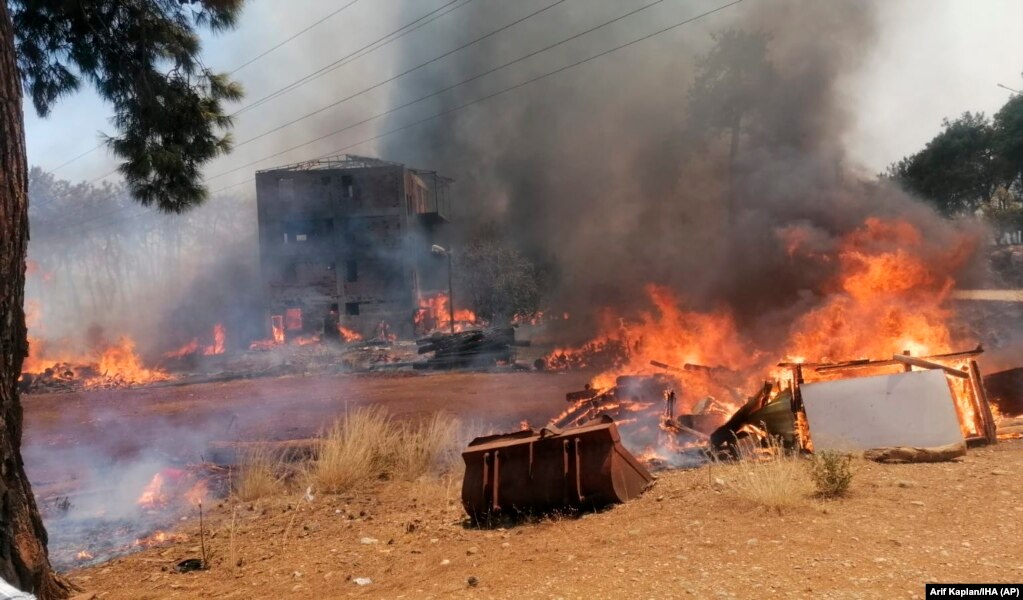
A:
886	295
110	364
197	493
349	335
277	327
190	348
668	334
171	486
434	314
219	338
119	362
153	494
306	340
160	537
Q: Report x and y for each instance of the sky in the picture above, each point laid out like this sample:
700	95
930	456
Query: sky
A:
932	59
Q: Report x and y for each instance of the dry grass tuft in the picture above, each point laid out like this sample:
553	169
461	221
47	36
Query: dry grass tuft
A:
428	447
262	474
356	449
771	477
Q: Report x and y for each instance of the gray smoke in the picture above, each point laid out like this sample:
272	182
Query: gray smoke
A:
620	171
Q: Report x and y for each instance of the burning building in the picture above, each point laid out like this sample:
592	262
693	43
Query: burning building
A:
350	234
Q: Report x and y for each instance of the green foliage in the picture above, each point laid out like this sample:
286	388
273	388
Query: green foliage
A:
1004	211
970	162
956	170
831	473
1008	143
142	56
498	279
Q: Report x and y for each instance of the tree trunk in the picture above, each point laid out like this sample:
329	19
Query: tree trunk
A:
23	558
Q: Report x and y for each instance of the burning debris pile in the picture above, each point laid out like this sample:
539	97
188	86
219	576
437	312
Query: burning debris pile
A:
107	366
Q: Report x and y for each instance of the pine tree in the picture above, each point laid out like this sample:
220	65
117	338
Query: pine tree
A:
143	57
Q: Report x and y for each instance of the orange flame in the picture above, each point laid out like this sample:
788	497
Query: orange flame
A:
153	494
306	340
435	315
887	295
119	362
219	338
349	335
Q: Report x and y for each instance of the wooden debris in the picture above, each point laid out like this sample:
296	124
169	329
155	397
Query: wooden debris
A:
473	348
903	454
926	364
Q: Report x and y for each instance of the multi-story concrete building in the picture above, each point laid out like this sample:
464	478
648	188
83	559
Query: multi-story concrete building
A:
353	234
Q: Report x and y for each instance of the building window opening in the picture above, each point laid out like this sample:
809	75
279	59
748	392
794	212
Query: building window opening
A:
352	309
351	271
293	319
347	186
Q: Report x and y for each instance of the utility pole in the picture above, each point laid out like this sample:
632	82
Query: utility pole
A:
451	290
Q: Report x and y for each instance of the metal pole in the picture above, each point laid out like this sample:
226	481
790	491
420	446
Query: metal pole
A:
451	294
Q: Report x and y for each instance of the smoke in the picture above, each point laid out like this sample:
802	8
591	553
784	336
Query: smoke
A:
101	267
622	171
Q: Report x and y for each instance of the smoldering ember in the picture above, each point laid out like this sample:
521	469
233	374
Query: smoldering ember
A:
488	299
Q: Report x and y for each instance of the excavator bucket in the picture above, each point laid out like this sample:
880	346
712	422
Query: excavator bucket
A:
541	471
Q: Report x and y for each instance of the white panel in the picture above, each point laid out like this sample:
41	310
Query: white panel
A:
904	409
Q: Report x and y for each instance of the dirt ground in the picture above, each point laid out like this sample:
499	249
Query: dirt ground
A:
81	428
689	536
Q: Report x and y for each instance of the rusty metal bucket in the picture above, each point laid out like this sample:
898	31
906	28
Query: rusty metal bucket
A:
551	469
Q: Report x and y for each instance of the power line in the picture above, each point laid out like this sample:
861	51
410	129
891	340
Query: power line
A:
297	34
236	69
443	90
505	90
69	161
352	56
355	54
406	72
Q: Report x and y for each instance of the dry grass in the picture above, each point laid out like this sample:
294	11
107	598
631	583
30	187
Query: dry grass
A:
262	474
429	447
770	477
358	448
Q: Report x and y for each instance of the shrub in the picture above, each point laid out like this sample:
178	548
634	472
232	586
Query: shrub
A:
831	473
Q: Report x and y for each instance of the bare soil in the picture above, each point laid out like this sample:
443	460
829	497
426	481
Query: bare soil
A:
177	420
689	536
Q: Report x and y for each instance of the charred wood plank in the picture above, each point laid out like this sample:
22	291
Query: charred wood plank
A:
926	364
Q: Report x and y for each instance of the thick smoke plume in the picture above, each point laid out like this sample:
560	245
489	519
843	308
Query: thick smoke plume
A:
623	172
